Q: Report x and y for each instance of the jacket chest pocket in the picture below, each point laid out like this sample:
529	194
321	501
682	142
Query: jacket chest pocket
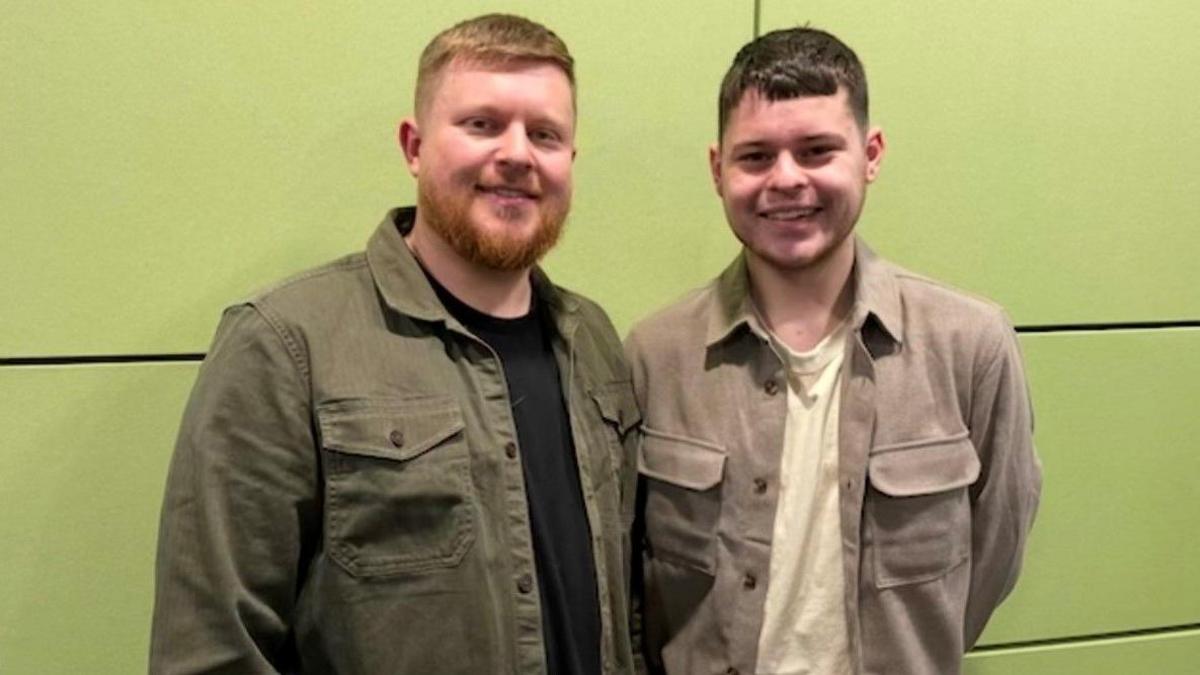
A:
618	416
397	485
918	511
683	497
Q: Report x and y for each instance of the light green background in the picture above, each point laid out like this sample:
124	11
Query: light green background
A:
1042	153
1173	654
164	159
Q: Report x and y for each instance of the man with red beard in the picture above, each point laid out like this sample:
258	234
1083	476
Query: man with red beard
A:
417	459
838	454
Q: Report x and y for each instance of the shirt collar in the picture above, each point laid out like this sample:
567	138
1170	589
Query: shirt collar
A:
402	283
876	298
876	293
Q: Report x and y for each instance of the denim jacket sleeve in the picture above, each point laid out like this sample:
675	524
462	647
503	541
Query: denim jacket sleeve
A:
241	510
1005	497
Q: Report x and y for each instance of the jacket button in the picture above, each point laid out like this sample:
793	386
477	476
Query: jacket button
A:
771	387
396	437
760	485
731	671
510	449
525	584
749	582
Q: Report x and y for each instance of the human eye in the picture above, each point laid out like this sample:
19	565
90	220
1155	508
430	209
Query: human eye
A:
479	124
820	149
545	136
753	158
818	154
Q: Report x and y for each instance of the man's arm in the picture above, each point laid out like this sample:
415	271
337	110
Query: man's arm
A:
644	662
1005	497
241	510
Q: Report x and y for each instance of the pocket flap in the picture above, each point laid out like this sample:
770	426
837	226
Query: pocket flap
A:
686	462
398	430
618	405
924	467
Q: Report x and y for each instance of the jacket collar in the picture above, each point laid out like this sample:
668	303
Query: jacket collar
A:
876	298
402	284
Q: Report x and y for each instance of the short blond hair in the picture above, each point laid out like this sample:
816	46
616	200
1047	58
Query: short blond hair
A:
490	40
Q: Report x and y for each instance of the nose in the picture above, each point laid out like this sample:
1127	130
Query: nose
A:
787	175
515	152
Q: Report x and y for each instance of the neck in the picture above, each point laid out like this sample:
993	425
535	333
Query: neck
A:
505	294
803	306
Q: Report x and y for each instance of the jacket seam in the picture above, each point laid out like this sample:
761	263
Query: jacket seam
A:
295	353
348	262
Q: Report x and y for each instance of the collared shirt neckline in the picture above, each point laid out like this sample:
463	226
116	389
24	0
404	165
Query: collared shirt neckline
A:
403	286
876	296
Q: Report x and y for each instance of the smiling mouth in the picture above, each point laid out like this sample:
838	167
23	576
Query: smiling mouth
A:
790	213
506	192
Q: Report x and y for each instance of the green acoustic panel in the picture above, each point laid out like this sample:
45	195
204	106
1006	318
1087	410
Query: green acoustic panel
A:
163	159
1038	151
81	480
1165	654
1114	547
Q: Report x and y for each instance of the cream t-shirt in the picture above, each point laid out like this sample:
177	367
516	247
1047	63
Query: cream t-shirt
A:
804	623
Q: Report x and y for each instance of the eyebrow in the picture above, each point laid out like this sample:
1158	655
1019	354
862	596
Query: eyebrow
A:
835	139
489	109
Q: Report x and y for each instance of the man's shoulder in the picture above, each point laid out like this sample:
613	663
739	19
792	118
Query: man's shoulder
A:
592	317
681	324
315	291
932	306
591	314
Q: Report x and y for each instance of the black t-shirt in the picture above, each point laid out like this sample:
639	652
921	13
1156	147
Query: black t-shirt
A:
561	535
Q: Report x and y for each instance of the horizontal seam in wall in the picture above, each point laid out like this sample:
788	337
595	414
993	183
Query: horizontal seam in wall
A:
1130	325
1074	639
100	359
195	357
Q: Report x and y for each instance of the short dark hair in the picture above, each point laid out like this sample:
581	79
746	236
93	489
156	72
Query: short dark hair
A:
792	63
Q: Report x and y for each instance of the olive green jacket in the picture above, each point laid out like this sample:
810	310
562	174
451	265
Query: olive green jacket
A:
346	494
938	479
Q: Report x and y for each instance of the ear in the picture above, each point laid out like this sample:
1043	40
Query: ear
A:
875	147
410	142
714	166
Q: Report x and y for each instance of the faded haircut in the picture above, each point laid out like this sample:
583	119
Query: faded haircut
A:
793	63
490	40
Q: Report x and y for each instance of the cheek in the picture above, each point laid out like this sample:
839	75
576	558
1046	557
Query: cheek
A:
557	171
737	186
840	186
742	194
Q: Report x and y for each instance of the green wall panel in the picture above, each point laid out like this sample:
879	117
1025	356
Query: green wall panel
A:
1114	546
1166	654
81	481
163	159
1039	152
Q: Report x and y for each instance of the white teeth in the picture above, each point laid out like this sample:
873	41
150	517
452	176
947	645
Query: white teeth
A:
791	214
507	192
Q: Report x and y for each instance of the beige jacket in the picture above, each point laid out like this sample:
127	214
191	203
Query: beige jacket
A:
937	472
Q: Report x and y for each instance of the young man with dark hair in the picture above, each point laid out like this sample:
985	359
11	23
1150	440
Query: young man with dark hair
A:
839	473
417	459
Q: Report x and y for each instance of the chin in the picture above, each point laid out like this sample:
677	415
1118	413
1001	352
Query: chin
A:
488	220
794	260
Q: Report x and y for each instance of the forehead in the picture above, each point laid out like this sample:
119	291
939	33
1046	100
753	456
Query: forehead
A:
755	115
527	84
